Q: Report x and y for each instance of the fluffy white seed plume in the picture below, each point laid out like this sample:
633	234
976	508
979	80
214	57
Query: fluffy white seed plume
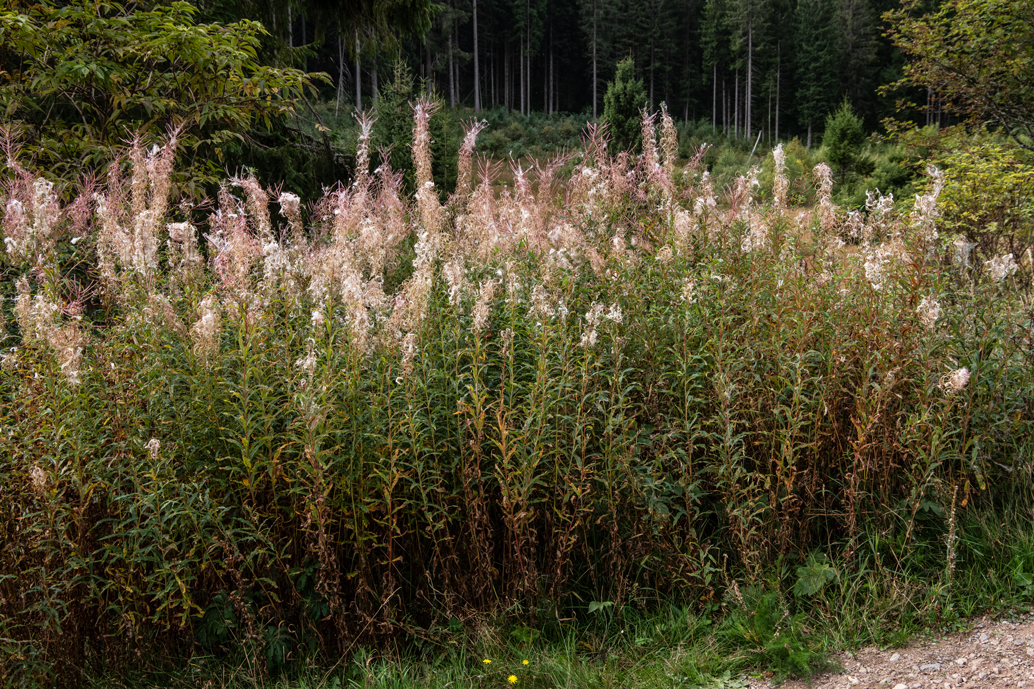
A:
463	178
291	208
453	271
963	248
956	381
426	197
689	291
706	202
756	237
1001	267
929	310
183	252
925	212
542	308
362	153
669	142
779	186
879	260
592	321
29	230
483	306
409	349
206	330
826	209
39	479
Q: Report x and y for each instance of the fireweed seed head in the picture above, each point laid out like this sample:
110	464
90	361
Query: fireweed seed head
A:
929	310
205	332
453	271
1001	267
689	291
963	248
153	445
483	306
779	186
38	478
955	381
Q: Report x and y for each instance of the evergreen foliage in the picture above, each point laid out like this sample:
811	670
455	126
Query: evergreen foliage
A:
816	62
622	107
843	140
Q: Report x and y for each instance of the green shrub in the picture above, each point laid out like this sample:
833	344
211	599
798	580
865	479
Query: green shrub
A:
622	105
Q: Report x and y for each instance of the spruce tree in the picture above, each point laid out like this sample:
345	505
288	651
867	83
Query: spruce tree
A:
622	105
843	140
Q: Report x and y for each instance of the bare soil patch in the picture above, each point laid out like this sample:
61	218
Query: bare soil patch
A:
992	655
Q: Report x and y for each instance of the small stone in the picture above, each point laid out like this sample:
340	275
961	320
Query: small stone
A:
1019	642
901	686
984	637
895	658
852	680
976	662
960	661
930	667
1030	650
983	675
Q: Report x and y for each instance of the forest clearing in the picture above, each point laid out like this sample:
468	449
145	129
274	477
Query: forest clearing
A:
645	410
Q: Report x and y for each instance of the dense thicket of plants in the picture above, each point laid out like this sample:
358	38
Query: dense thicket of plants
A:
226	428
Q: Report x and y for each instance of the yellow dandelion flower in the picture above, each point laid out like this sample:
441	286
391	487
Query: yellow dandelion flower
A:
486	661
524	662
512	679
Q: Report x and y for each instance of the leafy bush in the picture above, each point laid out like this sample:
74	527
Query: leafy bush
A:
84	76
989	193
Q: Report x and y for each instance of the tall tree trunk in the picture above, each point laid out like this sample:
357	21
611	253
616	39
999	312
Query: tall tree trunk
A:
595	99
736	107
552	90
507	99
477	71
651	72
373	81
340	72
714	101
779	66
358	77
290	28
452	76
725	110
522	75
749	101
809	136
305	60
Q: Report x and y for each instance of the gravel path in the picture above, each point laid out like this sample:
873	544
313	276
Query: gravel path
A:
992	655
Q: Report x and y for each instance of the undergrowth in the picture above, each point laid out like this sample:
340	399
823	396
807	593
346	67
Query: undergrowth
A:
381	421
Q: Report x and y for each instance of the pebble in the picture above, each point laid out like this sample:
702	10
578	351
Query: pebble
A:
984	636
901	686
930	667
895	658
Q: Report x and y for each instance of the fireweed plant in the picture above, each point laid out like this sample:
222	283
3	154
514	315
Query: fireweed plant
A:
252	425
